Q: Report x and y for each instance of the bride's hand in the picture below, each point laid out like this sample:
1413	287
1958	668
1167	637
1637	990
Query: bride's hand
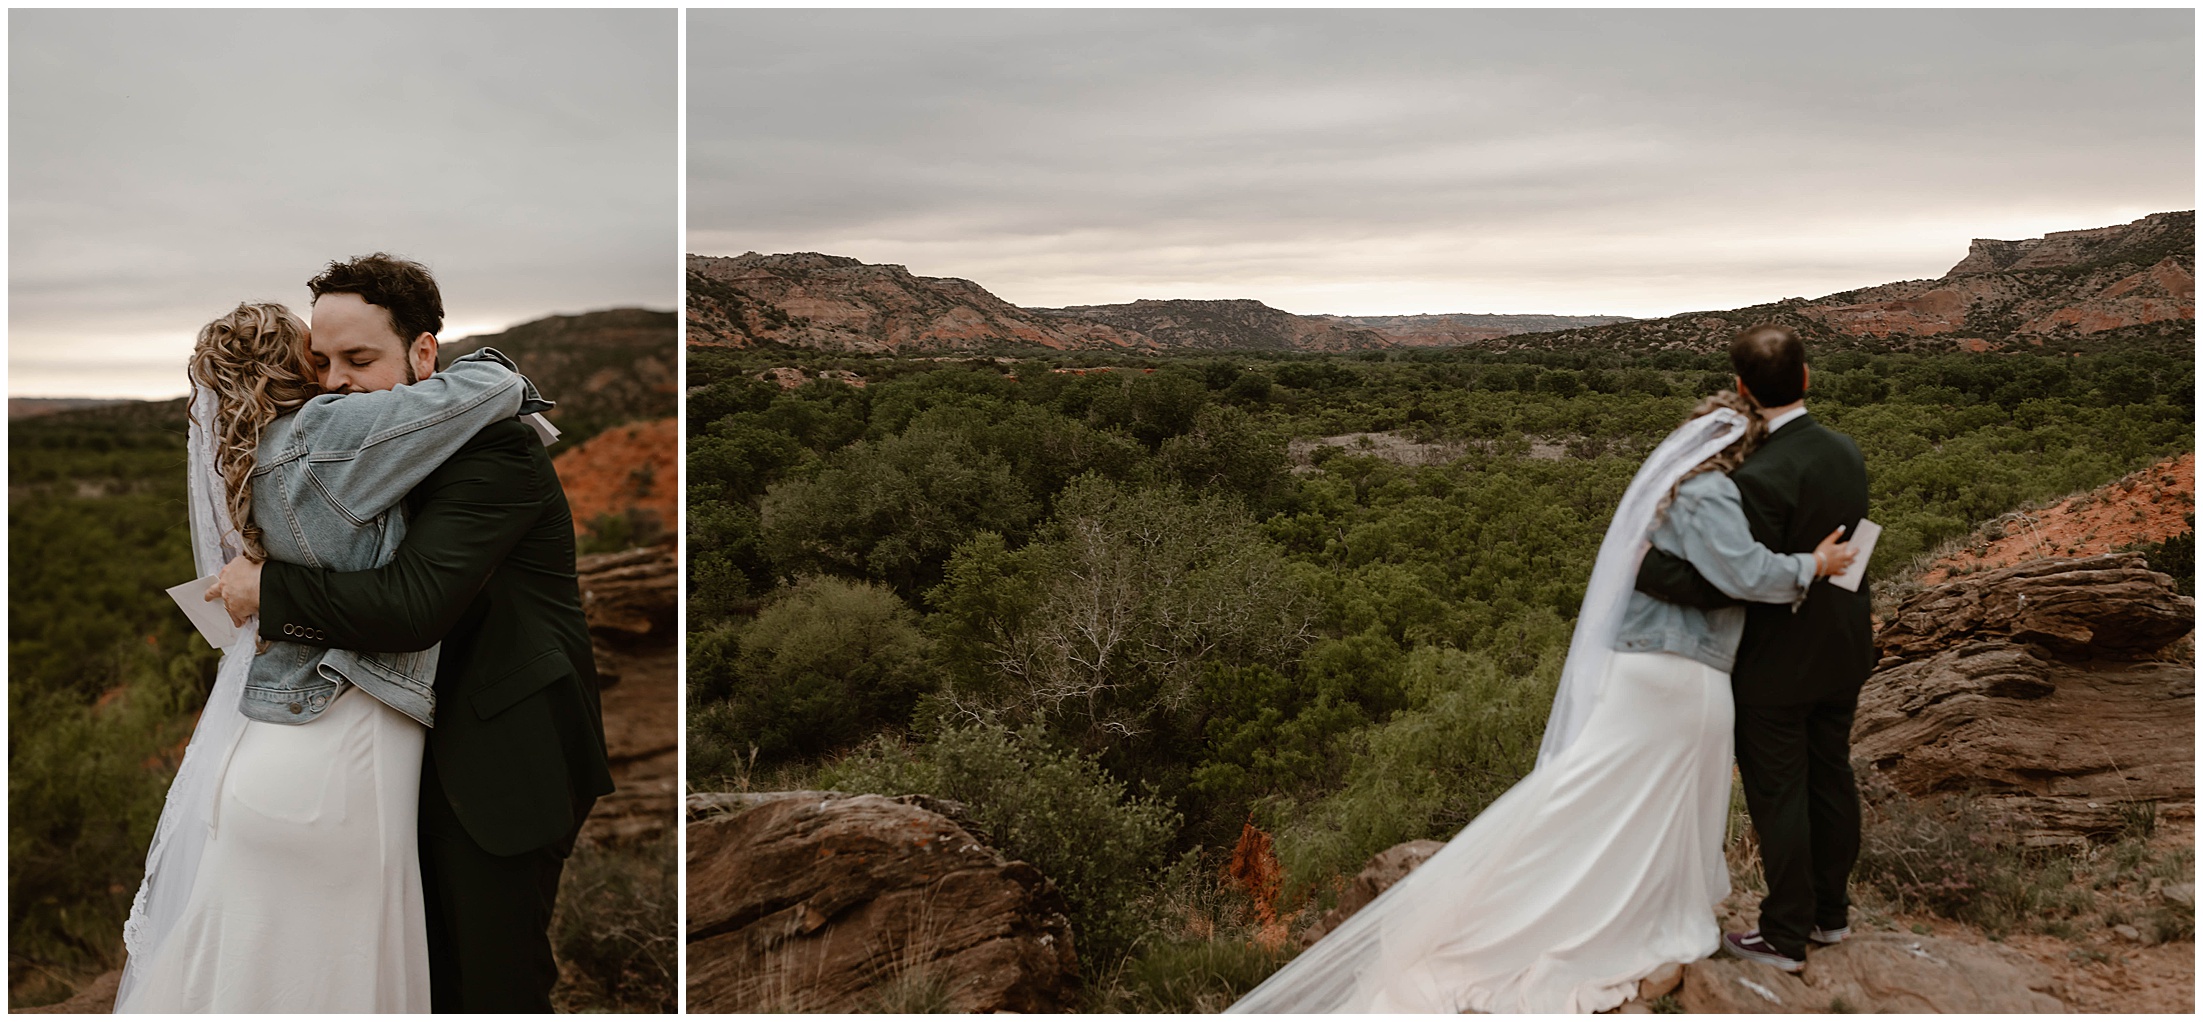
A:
1831	557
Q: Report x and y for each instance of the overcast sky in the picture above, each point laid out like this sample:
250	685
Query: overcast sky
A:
165	165
1637	163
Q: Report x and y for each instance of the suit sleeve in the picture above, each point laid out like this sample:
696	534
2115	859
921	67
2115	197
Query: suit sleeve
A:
477	506
1664	576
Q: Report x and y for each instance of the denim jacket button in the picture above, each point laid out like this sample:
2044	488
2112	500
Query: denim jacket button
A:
296	709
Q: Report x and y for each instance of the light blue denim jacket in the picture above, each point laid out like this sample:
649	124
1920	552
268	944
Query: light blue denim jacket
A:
1706	526
327	481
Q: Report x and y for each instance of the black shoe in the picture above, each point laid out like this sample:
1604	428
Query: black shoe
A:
1753	948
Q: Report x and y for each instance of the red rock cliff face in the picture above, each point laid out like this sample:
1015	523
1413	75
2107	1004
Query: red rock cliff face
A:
626	467
2163	292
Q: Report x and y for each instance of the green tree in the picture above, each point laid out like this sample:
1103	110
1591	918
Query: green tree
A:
827	663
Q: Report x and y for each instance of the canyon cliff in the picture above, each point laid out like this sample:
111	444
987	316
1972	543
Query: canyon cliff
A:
2068	288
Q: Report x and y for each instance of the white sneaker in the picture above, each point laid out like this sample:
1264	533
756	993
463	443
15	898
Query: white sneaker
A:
1835	936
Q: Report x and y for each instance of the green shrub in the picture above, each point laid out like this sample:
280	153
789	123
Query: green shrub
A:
825	664
1426	772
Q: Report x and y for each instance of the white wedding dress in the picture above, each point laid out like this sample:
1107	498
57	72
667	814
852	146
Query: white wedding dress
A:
284	874
1596	869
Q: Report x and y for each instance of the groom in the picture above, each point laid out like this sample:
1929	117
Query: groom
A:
1798	672
517	756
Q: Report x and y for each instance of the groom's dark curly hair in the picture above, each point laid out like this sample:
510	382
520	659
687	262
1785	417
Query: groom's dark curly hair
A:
402	288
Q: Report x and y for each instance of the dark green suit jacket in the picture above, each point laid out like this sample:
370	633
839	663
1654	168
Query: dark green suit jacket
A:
487	568
1805	480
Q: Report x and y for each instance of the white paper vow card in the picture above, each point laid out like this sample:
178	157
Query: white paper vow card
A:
212	619
544	431
1862	542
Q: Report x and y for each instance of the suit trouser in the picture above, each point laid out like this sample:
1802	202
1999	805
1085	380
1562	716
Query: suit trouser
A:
489	916
1796	766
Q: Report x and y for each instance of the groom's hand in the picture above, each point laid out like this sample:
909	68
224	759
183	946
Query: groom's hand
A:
238	587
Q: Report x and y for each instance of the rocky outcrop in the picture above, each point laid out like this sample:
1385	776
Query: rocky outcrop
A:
1940	311
630	596
1871	972
812	901
2110	605
1234	324
2033	688
1381	871
2165	291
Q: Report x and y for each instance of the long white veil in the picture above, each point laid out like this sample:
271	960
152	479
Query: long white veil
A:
187	817
1328	976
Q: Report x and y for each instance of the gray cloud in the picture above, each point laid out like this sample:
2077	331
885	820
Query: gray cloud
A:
165	165
1426	161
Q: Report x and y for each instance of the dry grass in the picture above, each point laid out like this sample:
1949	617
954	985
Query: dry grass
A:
614	929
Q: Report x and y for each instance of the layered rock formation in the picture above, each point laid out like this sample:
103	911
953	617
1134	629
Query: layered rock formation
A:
630	596
812	901
2035	688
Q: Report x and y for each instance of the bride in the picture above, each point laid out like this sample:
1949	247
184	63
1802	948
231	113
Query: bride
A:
283	874
1606	861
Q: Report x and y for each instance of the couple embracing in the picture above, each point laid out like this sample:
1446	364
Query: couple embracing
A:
1714	622
404	734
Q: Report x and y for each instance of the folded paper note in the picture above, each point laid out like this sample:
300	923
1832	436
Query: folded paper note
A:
1862	543
544	431
210	617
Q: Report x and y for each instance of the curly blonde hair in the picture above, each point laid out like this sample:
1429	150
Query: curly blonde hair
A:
255	360
1728	458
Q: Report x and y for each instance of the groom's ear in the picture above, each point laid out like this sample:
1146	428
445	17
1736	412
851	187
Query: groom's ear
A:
422	355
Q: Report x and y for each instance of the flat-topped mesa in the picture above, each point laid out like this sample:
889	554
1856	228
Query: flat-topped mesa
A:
2060	249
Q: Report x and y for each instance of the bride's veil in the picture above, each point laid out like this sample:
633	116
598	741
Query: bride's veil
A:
1328	976
187	817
